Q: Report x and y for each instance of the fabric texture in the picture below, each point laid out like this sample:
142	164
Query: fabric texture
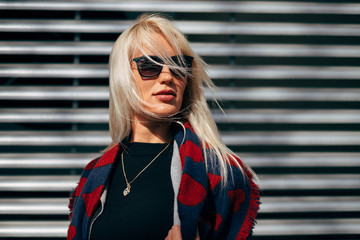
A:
125	215
204	206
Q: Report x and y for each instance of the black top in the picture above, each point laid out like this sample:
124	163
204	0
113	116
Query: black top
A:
147	211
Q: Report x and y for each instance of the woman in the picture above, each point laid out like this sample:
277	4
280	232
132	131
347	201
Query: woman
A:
167	173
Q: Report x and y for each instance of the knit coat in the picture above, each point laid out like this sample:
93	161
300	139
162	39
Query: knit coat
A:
203	204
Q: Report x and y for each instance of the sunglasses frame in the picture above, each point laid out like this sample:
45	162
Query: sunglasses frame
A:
187	60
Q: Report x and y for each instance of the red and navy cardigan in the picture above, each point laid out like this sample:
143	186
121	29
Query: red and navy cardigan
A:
204	205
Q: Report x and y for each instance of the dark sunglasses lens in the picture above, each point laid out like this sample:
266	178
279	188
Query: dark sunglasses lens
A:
147	68
186	63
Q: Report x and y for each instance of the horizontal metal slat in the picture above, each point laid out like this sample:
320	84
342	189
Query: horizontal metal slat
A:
188	27
284	94
33	229
302	159
267	7
56	48
37	206
285	227
309	181
215	71
79	160
43	160
268	182
54	70
292	138
55	183
275	50
286	116
221	93
47	206
54	93
264	138
93	115
263	227
58	138
283	72
309	204
264	116
204	49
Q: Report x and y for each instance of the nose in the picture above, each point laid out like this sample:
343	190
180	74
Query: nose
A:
166	75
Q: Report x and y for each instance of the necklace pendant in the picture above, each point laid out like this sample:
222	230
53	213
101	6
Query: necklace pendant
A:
126	190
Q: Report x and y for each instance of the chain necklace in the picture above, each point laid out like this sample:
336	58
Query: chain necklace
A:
128	184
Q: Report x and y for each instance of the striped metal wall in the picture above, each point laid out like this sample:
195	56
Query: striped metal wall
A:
288	78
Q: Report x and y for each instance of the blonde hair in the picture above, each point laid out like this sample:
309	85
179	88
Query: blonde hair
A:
124	95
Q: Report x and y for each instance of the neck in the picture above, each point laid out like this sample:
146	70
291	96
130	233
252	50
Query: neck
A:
150	131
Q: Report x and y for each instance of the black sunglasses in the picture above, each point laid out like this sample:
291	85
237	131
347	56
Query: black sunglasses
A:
148	68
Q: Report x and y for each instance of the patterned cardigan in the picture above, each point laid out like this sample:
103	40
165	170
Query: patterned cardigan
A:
203	204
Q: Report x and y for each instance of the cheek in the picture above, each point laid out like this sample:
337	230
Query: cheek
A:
144	87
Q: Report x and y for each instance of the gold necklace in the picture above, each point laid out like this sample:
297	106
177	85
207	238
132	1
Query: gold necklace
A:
128	186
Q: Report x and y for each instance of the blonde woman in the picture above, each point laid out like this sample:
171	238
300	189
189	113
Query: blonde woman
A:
167	174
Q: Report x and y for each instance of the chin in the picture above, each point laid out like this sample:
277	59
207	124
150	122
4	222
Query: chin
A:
166	111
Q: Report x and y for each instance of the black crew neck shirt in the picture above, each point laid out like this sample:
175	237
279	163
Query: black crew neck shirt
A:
147	211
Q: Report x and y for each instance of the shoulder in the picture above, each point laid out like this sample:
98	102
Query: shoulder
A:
241	171
90	165
108	157
234	175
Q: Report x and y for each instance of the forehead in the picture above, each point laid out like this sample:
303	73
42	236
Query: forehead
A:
158	46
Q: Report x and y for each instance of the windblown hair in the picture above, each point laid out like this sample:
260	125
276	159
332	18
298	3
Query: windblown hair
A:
124	92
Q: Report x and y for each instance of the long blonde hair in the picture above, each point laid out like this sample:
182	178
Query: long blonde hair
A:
124	95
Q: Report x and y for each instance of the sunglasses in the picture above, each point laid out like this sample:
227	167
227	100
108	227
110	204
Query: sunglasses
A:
149	68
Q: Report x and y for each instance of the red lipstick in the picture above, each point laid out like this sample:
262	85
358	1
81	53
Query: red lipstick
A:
165	95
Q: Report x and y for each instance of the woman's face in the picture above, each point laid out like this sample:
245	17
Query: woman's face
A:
162	93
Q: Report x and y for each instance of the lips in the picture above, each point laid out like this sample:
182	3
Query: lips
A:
165	95
166	92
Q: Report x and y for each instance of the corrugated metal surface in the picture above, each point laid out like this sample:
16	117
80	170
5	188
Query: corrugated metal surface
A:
288	78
